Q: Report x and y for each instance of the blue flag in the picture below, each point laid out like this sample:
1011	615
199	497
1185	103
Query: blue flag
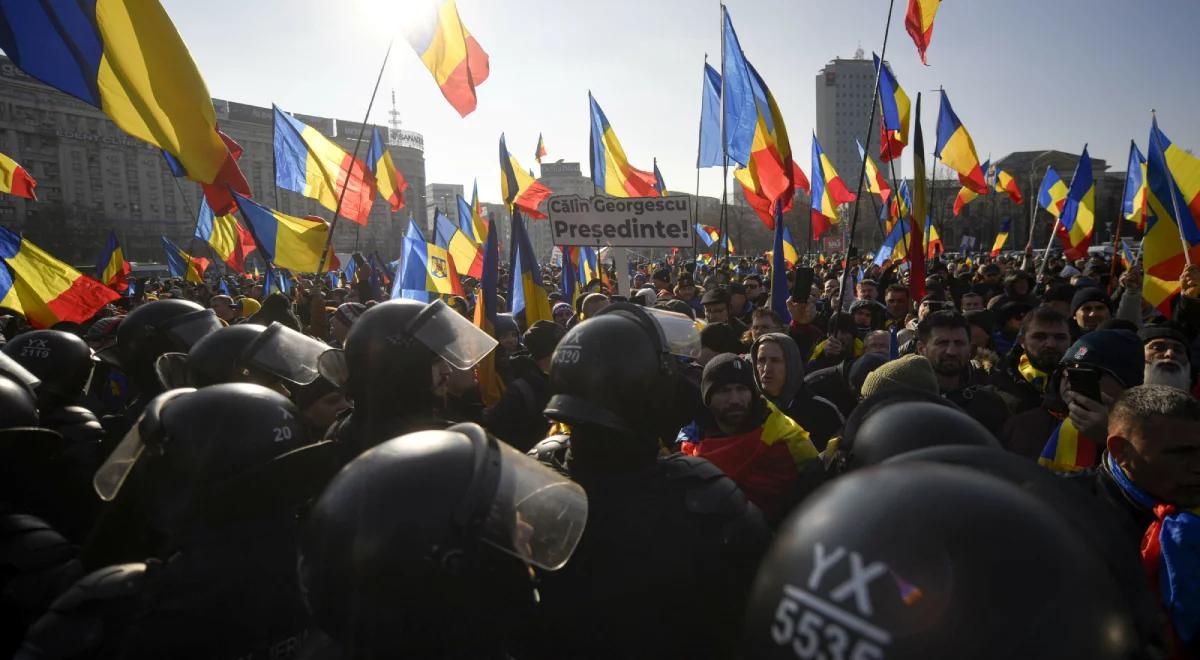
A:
709	153
741	112
779	284
414	230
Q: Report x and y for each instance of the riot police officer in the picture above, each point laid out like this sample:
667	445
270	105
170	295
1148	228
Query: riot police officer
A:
219	475
428	544
396	366
273	356
671	542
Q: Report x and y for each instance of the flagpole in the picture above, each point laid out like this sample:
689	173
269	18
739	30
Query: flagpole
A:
699	139
362	129
1183	241
862	170
1033	205
1046	254
724	221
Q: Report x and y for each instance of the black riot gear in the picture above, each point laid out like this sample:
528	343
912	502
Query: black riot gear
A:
18	406
603	370
399	558
891	423
386	368
933	561
244	353
61	360
155	328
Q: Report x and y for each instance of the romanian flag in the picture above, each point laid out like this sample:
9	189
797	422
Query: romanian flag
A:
427	269
779	283
182	264
568	278
1127	259
1068	450
660	186
1004	182
1001	236
388	180
894	106
790	254
225	236
1172	205
466	223
933	240
966	195
920	209
1053	193
737	102
520	190
876	182
468	259
900	206
895	244
15	180
491	387
315	166
589	265
770	175
414	230
1079	213
529	300
540	152
611	172
918	20
477	220
217	194
125	58
712	236
757	199
45	290
1134	203
111	269
956	149
287	241
828	191
451	54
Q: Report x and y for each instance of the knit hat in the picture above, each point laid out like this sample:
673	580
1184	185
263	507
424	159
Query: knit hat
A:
1116	352
558	307
347	313
1163	329
1084	296
911	372
725	369
542	337
722	338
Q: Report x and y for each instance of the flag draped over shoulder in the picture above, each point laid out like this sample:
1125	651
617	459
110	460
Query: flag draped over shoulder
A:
956	149
44	289
1079	212
287	241
111	268
388	180
125	58
182	264
611	172
451	54
918	21
519	189
15	180
311	164
225	236
828	190
1173	206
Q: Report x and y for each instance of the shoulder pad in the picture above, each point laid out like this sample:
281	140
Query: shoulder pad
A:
30	543
709	491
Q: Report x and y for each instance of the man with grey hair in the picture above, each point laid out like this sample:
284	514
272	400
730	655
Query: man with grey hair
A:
1151	479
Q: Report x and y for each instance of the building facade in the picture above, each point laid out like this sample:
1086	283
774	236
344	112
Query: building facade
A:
845	89
442	197
92	177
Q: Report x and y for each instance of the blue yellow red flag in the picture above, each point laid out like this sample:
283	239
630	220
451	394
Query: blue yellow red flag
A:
389	181
491	386
920	209
15	180
529	300
1053	193
111	269
1133	205
45	290
611	172
125	58
876	182
660	186
477	220
966	195
918	21
287	241
450	52
1172	205
828	190
1003	182
540	152
568	279
427	271
772	175
182	264
1068	450
1079	212
467	257
228	239
519	189
311	164
708	154
895	107
956	149
414	230
1001	237
933	240
790	254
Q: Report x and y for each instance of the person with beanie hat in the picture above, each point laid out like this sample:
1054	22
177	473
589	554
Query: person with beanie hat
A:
342	320
562	313
910	372
1066	433
718	338
517	417
761	449
842	344
1090	307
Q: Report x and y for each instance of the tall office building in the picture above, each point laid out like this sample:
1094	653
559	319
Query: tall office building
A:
845	89
442	197
93	177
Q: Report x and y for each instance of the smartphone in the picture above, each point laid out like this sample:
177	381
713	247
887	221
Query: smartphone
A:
1085	382
802	287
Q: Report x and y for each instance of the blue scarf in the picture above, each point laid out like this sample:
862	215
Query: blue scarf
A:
1170	553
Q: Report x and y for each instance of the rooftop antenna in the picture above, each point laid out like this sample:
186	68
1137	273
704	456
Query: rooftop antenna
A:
394	122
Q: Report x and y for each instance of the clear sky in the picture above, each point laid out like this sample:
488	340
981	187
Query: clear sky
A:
1022	74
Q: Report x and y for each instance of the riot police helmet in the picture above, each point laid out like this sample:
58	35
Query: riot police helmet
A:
63	362
244	353
155	328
